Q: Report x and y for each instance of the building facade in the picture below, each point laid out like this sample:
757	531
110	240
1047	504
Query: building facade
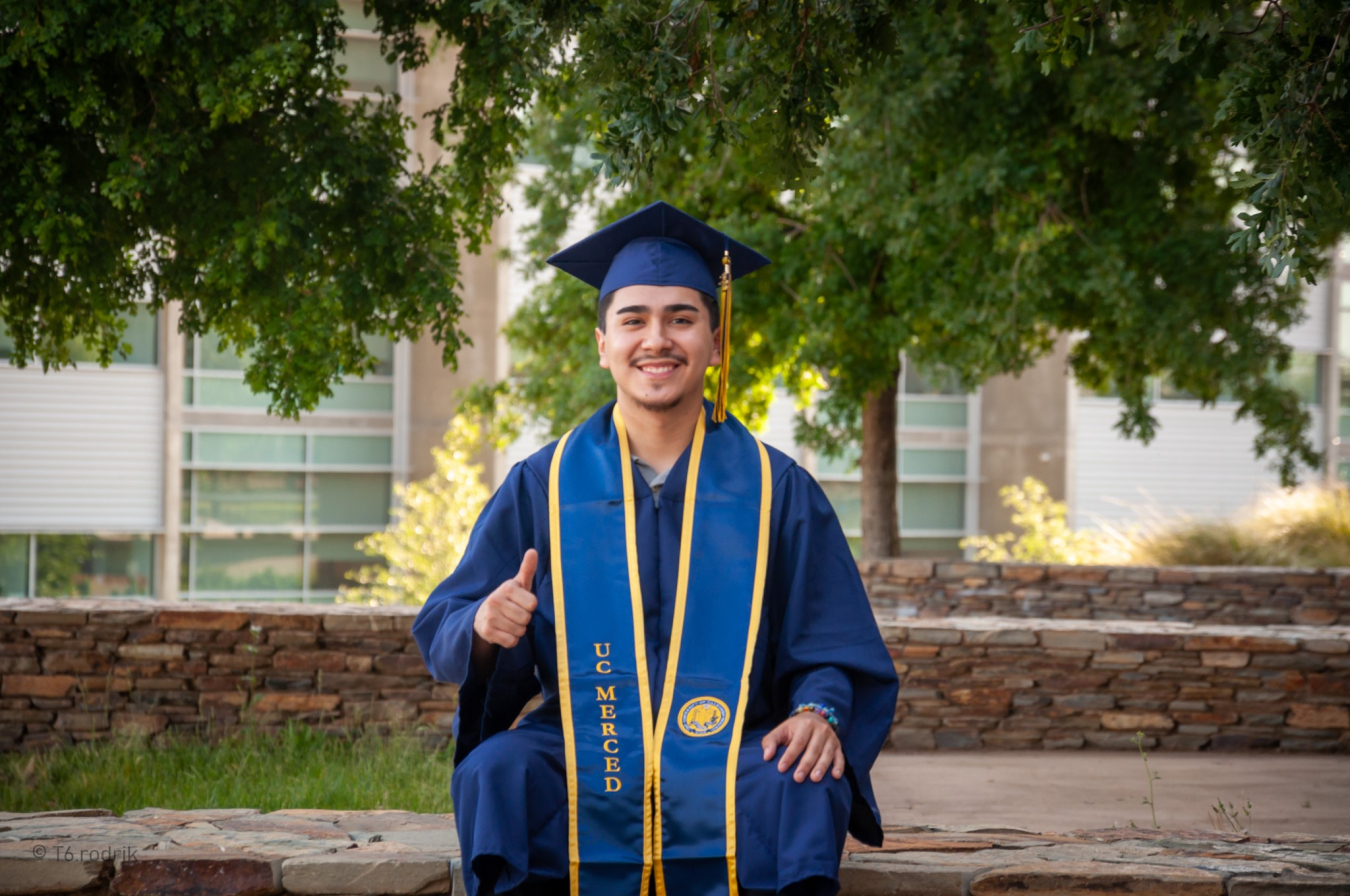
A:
163	476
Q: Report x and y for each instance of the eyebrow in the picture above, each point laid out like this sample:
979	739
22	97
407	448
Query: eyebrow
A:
645	309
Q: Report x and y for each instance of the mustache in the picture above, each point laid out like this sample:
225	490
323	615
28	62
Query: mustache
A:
668	356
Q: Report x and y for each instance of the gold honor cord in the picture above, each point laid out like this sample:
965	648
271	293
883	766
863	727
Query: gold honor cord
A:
719	413
676	636
639	643
756	605
564	676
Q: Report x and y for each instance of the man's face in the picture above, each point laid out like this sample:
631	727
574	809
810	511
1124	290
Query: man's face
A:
657	343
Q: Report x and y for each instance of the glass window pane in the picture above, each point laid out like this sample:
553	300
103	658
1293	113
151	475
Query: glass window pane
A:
331	557
383	350
353	450
228	393
250	448
1303	376
248	563
846	463
367	69
1167	390
931	382
216	357
13	565
93	566
846	499
184	563
256	498
358	396
187	446
1343	472
1344	336
141	334
189	350
930	548
933	462
353	15
350	499
187	497
187	391
946	414
931	505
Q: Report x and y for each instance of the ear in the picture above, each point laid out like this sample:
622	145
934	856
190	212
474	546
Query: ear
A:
716	359
600	346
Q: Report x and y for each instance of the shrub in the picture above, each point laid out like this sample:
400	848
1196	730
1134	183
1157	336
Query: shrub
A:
1307	526
1045	536
431	527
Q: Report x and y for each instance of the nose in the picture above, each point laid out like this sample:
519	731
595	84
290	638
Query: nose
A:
655	338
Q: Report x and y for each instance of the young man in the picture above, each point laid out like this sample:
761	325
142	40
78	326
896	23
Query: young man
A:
715	689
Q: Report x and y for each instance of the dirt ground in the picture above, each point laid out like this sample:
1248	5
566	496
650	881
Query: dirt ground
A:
1054	791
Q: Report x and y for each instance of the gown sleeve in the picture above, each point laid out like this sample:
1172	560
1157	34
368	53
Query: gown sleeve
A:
829	649
443	628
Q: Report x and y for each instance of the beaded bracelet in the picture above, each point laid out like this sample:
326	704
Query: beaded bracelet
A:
820	709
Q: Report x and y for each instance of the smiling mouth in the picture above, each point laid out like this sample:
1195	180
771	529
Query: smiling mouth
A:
659	368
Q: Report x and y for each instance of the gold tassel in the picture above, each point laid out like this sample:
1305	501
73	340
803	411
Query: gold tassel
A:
719	413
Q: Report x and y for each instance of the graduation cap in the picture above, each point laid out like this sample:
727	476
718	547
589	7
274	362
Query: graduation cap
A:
659	245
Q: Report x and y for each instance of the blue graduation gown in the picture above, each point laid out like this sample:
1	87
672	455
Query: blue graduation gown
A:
818	642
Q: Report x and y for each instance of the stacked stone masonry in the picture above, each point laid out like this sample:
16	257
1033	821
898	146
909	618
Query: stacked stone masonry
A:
1213	595
1065	684
76	670
242	852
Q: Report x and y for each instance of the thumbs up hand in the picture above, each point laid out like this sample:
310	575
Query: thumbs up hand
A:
503	617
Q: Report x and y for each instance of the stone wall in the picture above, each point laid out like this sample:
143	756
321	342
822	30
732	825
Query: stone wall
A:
1214	595
1036	683
78	670
73	670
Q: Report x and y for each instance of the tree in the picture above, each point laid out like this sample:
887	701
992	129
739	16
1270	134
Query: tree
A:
202	153
431	526
966	211
1279	69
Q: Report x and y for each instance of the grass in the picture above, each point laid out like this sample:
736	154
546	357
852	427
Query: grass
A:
1302	527
1307	527
297	767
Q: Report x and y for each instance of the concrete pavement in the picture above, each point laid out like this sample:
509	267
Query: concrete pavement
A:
1062	791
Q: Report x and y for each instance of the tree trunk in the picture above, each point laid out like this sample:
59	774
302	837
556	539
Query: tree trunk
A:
880	520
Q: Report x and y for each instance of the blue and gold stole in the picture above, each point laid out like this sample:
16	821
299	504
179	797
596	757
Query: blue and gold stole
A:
657	799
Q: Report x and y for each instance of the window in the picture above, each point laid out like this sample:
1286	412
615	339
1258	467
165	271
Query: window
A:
242	563
278	514
76	565
14	551
1304	376
932	400
141	338
367	69
214	378
934	475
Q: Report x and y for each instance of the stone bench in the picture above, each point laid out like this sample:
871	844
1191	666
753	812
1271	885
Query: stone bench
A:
241	852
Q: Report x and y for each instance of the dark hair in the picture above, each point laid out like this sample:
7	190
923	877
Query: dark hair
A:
708	302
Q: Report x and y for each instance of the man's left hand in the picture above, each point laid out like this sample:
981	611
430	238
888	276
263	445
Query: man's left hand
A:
810	737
